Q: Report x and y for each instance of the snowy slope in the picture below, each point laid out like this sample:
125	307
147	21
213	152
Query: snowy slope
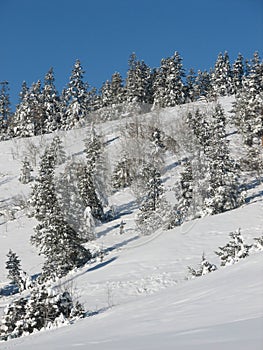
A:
138	297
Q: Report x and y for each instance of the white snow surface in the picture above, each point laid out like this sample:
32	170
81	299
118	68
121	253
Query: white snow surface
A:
140	296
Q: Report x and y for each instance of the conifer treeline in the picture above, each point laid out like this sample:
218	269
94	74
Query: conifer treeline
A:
41	109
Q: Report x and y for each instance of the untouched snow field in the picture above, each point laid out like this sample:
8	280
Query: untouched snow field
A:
139	296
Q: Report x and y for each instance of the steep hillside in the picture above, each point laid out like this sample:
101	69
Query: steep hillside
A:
141	295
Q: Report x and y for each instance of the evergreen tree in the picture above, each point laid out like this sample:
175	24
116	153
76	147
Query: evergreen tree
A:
137	82
203	84
5	112
13	267
116	88
46	307
234	250
54	236
88	193
28	119
147	220
70	201
238	73
223	191
191	88
186	189
51	105
122	176
76	96
204	268
25	176
222	76
57	149
168	85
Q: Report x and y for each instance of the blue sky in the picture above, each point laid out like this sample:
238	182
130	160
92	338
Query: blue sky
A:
103	33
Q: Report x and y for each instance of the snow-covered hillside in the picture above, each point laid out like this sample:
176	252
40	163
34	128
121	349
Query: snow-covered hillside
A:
140	296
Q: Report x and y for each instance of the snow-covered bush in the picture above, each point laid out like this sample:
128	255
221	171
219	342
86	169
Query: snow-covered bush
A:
234	250
204	268
258	245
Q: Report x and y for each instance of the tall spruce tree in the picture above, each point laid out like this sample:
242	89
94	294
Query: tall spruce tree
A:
222	76
76	97
51	104
168	85
223	190
56	239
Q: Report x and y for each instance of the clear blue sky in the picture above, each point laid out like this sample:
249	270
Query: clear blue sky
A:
38	34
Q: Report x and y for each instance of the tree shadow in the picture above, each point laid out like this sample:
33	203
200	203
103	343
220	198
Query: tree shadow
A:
256	195
9	289
121	244
102	264
107	230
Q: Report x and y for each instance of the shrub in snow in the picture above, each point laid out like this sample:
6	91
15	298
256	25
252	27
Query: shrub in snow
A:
204	268
234	250
45	308
258	245
25	176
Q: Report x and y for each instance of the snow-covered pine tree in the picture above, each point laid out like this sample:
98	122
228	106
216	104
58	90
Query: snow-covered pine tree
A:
191	87
56	239
122	176
223	190
70	201
87	191
60	244
76	99
186	191
221	78
248	116
234	250
168	85
203	84
97	165
137	81
204	268
13	267
238	73
13	315
57	149
29	117
42	198
199	124
149	219
5	111
117	89
93	149
51	103
46	307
